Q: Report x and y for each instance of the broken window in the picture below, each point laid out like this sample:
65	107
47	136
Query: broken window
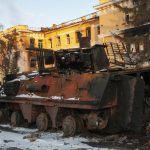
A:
68	38
32	42
78	36
51	43
127	18
141	46
59	41
40	44
98	30
132	47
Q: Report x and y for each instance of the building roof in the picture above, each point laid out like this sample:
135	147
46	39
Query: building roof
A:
86	18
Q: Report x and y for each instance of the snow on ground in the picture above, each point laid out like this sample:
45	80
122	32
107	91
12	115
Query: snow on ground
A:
46	141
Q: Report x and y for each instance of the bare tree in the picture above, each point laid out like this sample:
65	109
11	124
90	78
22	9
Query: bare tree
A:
8	49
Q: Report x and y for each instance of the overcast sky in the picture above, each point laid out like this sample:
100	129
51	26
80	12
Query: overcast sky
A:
38	13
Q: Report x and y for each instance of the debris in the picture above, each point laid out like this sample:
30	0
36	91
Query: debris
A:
7	141
129	143
32	137
112	138
66	143
122	139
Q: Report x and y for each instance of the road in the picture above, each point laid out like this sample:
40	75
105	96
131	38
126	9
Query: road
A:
31	139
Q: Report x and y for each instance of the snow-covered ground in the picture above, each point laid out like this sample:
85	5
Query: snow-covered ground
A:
25	139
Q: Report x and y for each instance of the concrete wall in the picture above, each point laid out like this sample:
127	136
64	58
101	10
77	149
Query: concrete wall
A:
71	30
113	18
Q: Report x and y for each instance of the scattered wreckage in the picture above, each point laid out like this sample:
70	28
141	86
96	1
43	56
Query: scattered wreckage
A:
98	88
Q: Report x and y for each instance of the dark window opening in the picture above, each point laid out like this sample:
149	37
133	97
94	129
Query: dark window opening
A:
78	36
127	18
88	32
40	44
51	43
32	42
98	30
59	41
68	39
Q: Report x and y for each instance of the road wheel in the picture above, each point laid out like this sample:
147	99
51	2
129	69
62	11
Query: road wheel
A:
42	122
1	115
16	119
69	126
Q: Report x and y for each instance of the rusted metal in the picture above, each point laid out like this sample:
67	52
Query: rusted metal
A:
81	95
11	88
52	111
95	121
27	112
36	87
16	119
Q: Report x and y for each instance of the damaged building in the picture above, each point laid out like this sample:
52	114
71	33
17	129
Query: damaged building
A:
115	21
95	59
131	25
80	32
14	42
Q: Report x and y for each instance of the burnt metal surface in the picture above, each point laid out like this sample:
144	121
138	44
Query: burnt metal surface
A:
26	110
96	121
111	101
11	88
82	60
129	112
34	87
52	111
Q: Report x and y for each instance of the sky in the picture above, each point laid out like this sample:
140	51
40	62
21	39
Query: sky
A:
43	13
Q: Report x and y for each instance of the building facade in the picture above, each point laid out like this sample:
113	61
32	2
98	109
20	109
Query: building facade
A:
66	35
125	21
81	32
13	45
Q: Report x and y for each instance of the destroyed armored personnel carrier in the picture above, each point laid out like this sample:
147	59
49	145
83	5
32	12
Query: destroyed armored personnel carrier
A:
98	88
